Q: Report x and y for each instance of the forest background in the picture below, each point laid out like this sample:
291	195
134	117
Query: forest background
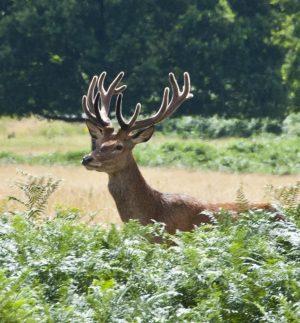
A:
243	56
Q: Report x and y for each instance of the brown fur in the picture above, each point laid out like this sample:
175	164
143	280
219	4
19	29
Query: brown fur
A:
135	199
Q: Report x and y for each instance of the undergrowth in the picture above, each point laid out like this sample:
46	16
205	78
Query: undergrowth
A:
273	155
60	270
220	127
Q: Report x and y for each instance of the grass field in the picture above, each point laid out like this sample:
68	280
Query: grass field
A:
38	142
87	191
36	136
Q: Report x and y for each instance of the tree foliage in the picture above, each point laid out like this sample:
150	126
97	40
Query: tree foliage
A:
287	35
242	55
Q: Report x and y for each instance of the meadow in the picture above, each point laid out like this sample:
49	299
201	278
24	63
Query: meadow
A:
66	257
182	162
39	142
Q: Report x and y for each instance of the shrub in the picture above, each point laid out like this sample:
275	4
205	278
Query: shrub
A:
291	124
59	270
218	127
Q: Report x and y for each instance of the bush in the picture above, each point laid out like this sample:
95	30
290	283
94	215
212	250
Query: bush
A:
218	127
291	124
276	155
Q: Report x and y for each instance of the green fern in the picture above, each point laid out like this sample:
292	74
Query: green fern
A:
36	190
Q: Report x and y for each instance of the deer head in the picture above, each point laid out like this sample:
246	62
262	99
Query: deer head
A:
112	149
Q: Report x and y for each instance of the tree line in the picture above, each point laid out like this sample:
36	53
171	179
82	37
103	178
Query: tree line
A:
242	55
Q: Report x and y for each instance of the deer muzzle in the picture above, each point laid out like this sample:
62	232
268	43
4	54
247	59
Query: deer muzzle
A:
86	160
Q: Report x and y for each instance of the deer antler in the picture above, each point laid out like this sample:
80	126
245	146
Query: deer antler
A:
96	111
166	109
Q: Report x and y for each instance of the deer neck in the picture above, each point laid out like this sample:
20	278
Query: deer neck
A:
134	198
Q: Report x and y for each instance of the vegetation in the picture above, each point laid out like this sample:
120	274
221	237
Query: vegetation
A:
257	155
59	270
244	62
243	56
218	127
177	144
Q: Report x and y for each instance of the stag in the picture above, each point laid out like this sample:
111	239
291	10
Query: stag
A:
112	153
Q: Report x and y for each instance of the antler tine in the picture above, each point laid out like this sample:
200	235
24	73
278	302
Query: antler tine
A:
86	110
167	107
88	101
122	122
187	86
90	93
106	96
174	85
96	106
178	96
113	86
157	117
98	113
101	79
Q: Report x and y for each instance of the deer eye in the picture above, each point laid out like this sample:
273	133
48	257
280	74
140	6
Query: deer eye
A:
119	147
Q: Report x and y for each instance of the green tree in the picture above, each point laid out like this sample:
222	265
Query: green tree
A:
42	43
287	36
239	66
227	48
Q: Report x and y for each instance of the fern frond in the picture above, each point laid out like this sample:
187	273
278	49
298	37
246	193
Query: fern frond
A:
286	197
241	199
13	198
36	191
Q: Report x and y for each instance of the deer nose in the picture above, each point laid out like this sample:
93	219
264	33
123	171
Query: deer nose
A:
86	159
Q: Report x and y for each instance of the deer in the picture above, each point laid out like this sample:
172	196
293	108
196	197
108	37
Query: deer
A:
112	154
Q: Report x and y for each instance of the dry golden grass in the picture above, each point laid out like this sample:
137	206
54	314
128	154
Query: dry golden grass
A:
88	190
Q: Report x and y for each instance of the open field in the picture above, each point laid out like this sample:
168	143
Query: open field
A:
88	191
53	147
39	142
36	136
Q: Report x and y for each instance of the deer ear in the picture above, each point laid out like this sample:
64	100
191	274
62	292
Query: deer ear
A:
94	131
142	135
